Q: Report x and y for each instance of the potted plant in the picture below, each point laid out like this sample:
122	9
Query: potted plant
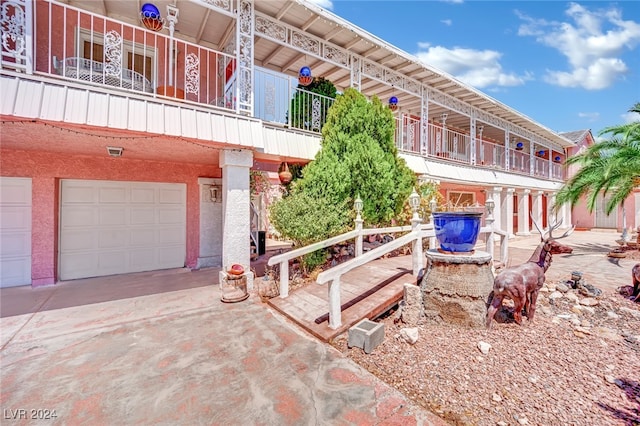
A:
457	228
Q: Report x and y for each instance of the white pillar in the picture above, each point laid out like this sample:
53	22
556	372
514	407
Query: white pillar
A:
507	211
495	194
236	207
523	212
536	207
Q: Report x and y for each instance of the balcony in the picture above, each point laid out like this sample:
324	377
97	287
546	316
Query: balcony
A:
73	45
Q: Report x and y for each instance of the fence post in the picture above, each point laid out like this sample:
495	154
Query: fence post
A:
335	317
433	205
284	279
358	206
490	204
416	255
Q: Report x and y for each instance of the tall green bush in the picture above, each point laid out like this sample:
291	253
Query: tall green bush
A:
358	158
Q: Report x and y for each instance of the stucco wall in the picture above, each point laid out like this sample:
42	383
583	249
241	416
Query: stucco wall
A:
46	170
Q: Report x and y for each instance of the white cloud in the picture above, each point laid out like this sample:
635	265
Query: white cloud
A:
447	22
479	68
590	116
592	43
325	4
631	117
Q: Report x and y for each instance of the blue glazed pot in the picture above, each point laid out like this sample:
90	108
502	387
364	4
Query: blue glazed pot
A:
457	231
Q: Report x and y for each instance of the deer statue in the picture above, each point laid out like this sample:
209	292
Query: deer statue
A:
523	282
635	274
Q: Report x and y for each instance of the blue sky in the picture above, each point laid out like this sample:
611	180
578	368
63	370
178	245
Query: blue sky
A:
567	65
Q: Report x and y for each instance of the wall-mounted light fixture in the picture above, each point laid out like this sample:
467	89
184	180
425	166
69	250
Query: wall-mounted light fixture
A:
214	194
115	151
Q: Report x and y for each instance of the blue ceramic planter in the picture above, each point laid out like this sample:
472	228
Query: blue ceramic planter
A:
457	231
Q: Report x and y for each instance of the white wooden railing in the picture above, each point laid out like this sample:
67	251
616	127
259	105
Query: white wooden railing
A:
415	236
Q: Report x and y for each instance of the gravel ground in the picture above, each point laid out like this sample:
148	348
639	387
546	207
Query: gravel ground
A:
578	363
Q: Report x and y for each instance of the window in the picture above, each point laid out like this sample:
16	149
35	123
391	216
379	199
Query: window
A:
461	199
135	57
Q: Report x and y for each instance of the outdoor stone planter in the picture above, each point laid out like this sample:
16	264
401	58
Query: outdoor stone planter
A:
457	232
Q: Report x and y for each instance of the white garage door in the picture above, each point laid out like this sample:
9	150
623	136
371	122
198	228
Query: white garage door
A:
15	231
109	227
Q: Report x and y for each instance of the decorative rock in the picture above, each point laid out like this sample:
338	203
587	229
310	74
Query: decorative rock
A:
484	347
572	297
546	310
412	309
455	288
632	312
606	333
610	379
585	323
583	330
533	379
562	288
588	310
410	335
576	309
555	295
497	398
612	315
589	301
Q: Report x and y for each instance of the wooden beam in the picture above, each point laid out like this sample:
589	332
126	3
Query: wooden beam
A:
334	32
352	43
273	54
309	22
289	64
288	5
203	25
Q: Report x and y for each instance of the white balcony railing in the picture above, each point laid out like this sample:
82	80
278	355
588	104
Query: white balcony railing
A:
76	45
519	162
408	134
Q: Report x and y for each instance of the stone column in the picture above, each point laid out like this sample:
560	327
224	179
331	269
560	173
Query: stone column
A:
507	211
523	212
536	207
236	205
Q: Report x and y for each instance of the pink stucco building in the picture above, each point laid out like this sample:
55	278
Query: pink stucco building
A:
627	216
128	148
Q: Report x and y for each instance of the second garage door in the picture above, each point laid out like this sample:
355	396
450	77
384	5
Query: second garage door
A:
109	227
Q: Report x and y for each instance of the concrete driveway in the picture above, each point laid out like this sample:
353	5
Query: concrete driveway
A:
176	357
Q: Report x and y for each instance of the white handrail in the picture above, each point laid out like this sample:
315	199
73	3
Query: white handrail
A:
283	259
343	268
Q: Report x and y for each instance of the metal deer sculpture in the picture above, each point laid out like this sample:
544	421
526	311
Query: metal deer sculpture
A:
635	274
523	282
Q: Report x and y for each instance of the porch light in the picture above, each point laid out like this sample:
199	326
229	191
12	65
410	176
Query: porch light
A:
150	17
393	103
414	201
214	195
357	204
304	76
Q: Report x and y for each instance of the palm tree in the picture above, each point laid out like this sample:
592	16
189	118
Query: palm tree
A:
611	166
